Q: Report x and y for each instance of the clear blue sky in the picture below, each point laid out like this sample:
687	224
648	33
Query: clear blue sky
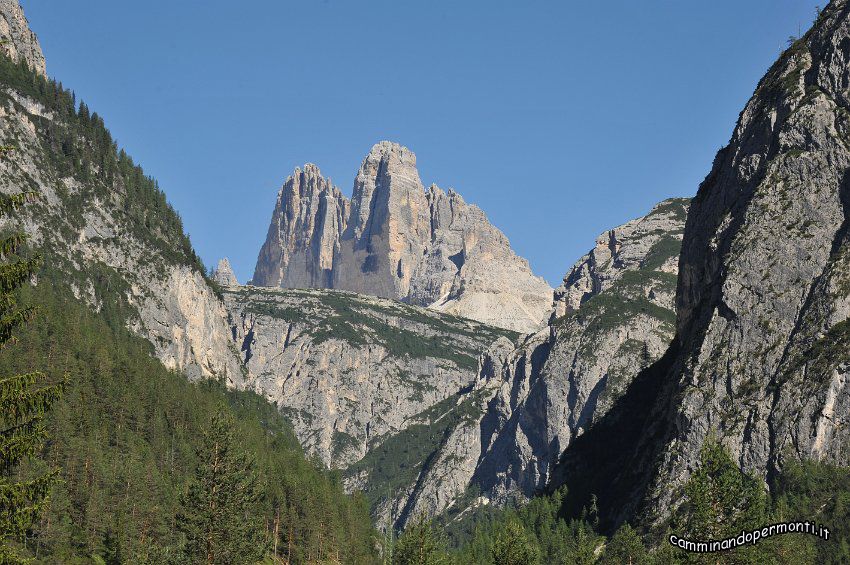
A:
560	119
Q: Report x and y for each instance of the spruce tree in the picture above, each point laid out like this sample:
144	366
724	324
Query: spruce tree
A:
420	544
625	548
721	501
513	547
220	516
23	401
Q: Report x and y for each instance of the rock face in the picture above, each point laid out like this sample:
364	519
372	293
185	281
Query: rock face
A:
652	239
504	435
223	274
98	233
21	42
303	237
761	360
396	240
350	370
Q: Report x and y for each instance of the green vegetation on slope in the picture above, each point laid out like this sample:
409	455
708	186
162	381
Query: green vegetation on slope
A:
23	401
125	436
720	501
75	144
398	460
361	322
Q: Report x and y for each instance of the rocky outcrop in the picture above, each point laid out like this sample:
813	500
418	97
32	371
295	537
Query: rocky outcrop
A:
303	238
350	370
224	275
396	240
648	240
141	273
761	360
16	38
529	402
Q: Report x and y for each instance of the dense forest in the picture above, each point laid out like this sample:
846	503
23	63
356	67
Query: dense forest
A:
128	437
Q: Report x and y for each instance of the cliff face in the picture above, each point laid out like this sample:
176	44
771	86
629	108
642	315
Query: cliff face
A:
761	360
303	237
503	435
86	235
18	41
348	369
107	233
396	240
652	239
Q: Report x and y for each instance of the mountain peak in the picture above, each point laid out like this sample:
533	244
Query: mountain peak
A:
224	275
22	43
385	148
396	240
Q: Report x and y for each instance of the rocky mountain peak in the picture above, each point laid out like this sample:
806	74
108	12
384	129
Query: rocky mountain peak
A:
224	275
396	240
309	216
625	248
19	41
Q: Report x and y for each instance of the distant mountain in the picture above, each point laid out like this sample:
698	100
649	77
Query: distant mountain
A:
394	239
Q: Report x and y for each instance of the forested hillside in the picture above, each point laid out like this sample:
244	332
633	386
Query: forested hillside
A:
126	436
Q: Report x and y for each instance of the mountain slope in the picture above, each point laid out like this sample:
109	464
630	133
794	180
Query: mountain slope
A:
497	440
394	239
18	41
349	369
763	299
101	219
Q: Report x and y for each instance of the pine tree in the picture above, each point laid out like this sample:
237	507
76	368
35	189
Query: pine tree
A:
220	516
625	548
513	547
23	402
420	544
721	501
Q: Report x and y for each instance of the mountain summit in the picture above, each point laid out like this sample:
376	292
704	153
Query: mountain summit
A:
394	239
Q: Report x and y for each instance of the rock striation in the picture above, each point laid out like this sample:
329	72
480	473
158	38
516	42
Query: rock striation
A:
761	358
19	42
502	438
303	238
394	239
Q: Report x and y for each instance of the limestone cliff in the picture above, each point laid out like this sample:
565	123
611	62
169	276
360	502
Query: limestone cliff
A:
303	238
106	230
16	38
350	370
396	240
761	359
503	436
646	240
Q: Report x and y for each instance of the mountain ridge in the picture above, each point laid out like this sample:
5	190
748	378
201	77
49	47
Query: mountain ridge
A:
760	358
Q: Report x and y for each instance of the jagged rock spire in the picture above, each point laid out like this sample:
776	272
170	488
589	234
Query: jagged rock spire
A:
396	240
223	274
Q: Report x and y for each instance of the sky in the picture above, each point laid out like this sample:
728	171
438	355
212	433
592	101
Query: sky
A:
559	119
